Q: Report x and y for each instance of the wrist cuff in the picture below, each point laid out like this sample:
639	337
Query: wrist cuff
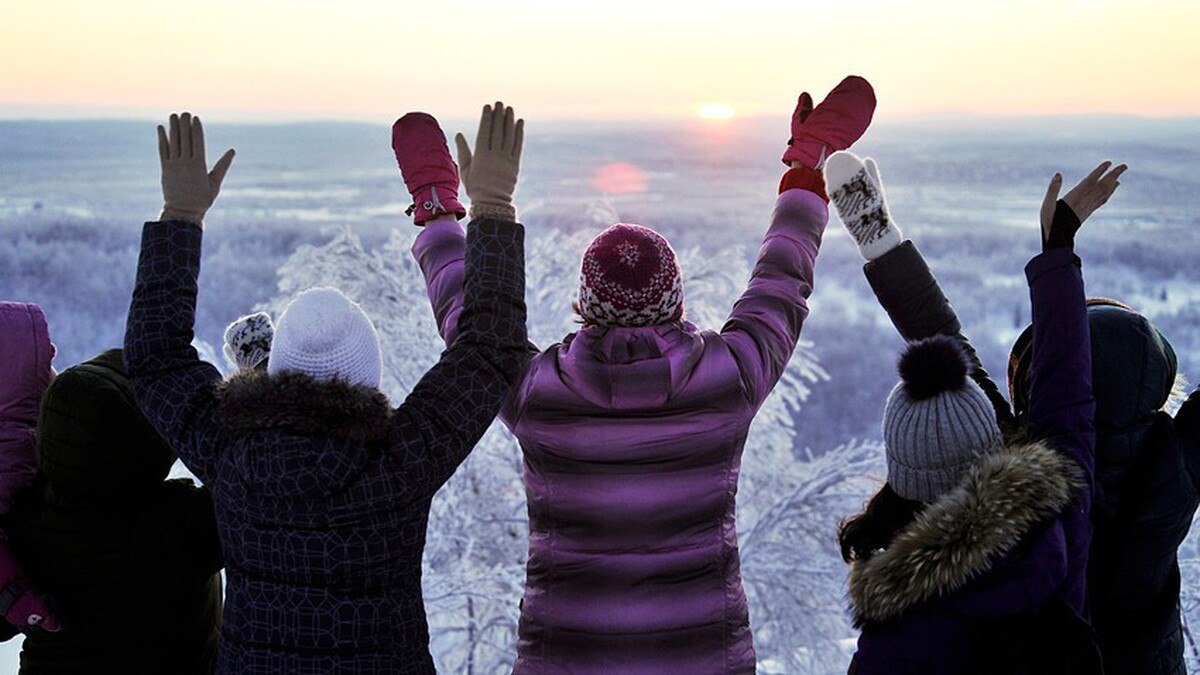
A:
169	214
494	212
804	178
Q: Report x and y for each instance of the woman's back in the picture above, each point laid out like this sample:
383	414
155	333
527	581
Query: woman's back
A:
632	440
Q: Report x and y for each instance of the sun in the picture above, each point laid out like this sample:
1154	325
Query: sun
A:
716	111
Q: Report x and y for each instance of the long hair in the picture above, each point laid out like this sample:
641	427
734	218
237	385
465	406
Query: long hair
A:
863	535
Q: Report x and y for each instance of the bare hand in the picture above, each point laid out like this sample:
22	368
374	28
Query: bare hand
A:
189	188
1090	194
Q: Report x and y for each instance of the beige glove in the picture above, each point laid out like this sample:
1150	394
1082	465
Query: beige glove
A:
489	175
189	188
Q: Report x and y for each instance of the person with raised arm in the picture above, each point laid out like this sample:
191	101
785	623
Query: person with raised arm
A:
973	556
322	487
1147	460
633	427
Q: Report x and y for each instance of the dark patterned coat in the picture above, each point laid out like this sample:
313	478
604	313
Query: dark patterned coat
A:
322	489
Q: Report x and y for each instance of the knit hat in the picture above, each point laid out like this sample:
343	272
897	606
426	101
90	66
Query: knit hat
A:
324	334
937	420
630	277
248	341
1133	366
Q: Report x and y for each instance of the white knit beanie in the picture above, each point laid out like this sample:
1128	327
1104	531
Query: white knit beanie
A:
937	421
324	334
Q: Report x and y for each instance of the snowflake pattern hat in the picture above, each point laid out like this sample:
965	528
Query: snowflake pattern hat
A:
630	277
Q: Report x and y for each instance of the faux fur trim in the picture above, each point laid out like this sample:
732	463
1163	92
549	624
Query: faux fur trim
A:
252	400
968	529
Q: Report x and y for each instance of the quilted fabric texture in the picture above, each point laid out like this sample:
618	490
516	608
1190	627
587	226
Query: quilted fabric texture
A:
321	490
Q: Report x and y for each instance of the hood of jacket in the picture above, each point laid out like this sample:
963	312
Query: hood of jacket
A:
93	440
26	354
630	367
963	535
304	406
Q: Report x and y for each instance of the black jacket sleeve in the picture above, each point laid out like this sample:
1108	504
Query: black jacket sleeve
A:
173	387
181	527
1187	422
455	402
912	298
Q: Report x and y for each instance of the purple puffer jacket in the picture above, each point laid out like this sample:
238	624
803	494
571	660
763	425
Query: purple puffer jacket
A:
25	356
633	440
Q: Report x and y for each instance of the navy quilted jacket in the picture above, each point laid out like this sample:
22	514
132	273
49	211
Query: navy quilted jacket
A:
322	489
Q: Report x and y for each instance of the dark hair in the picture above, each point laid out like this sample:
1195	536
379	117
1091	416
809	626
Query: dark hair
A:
870	531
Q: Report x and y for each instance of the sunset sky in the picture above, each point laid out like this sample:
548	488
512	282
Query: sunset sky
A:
609	59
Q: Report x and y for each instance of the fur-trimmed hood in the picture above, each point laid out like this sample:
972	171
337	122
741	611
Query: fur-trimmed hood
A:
297	403
963	534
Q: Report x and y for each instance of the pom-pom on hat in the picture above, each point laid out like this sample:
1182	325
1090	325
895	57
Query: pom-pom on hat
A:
630	277
937	420
324	334
248	341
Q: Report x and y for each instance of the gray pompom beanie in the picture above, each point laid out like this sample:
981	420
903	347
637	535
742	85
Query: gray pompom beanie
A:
937	421
326	335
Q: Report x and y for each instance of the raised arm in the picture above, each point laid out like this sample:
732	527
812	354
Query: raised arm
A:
765	323
173	387
1061	405
896	270
455	402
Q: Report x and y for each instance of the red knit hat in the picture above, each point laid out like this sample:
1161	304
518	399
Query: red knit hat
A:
629	277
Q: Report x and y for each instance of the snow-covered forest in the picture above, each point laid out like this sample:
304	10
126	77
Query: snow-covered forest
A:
321	205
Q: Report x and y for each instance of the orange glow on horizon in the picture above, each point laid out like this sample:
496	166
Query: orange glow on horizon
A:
365	60
619	178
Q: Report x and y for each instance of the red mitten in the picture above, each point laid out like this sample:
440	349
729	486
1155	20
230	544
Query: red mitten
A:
425	164
840	120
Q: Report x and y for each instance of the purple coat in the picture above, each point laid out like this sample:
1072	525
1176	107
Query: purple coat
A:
633	440
25	356
1005	553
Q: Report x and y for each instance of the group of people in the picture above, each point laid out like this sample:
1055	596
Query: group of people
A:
1034	534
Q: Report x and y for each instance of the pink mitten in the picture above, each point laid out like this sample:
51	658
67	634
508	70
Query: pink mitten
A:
31	609
840	120
425	164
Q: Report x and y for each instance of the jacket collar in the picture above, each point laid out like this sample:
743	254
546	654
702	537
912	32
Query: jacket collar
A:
959	537
298	403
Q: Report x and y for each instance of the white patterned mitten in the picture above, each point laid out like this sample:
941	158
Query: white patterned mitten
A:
857	193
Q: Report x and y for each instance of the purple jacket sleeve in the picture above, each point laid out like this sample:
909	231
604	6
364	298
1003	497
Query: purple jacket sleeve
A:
173	387
440	250
764	326
26	354
1061	405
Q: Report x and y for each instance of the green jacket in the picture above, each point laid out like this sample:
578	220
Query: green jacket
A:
132	559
